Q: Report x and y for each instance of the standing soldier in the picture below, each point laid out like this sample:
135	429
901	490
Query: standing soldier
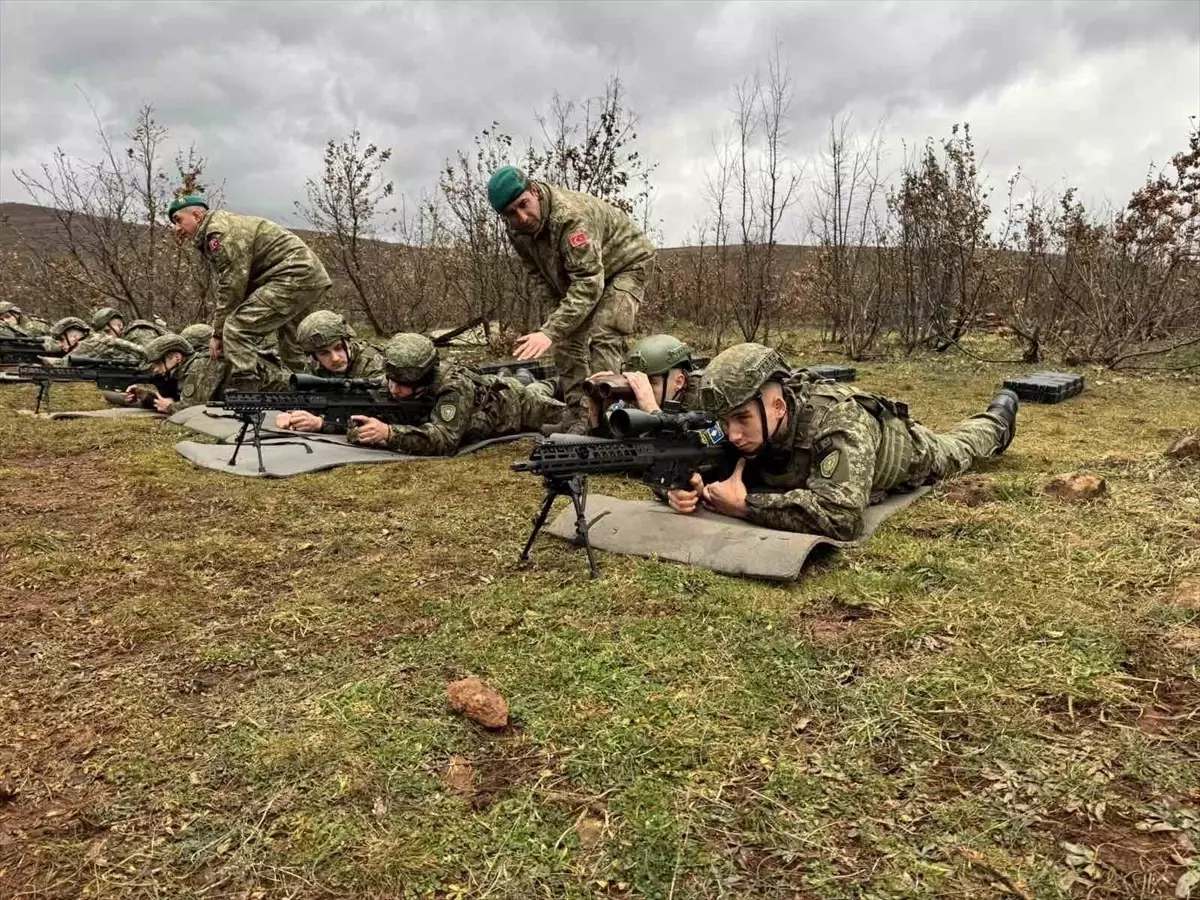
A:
267	280
587	257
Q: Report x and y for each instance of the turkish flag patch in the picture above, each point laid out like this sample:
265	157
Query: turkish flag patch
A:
214	243
578	239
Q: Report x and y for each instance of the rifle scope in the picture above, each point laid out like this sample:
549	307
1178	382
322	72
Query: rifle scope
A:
628	423
317	384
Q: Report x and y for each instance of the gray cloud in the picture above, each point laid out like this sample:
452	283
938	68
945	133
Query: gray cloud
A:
1092	92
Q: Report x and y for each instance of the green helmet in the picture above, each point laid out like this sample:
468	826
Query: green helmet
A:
198	335
322	328
657	355
62	326
157	349
410	358
6	308
738	374
102	317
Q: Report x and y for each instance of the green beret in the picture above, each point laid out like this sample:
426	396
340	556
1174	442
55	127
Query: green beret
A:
184	202
506	185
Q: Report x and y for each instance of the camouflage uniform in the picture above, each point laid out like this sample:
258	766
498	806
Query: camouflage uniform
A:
26	326
200	379
100	345
842	449
469	407
267	280
198	334
591	260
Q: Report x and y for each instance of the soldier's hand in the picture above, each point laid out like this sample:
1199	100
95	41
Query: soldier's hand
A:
214	348
643	393
593	412
531	346
727	497
130	397
686	501
370	431
162	404
299	420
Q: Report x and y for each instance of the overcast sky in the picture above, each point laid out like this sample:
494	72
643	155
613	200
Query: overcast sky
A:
1089	93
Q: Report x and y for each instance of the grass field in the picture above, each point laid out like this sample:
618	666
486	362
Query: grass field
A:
219	687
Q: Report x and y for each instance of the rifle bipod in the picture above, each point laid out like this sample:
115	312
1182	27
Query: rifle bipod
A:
254	420
574	487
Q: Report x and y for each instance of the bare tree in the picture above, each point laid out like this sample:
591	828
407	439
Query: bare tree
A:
112	245
853	273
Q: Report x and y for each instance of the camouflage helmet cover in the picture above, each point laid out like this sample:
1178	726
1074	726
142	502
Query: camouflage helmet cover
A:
738	374
198	335
157	349
104	315
145	325
657	355
6	307
322	328
62	326
410	358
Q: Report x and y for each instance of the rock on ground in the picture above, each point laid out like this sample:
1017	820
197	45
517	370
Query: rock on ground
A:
478	702
1077	488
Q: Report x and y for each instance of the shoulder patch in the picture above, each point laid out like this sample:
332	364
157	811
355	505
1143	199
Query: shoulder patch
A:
578	239
829	463
214	243
447	412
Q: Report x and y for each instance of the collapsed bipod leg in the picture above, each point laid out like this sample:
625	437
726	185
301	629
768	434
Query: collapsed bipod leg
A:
574	487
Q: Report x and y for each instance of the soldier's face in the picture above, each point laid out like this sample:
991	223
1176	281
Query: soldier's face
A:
334	357
115	327
524	215
401	391
743	427
70	338
10	319
167	364
186	221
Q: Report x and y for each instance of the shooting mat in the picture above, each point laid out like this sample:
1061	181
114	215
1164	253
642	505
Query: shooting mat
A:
114	413
729	546
283	460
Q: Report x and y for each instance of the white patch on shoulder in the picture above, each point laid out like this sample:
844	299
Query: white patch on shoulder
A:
830	463
447	412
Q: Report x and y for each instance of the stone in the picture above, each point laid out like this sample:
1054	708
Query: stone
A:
1077	488
1187	447
478	702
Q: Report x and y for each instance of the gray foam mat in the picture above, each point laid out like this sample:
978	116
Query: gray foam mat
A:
284	454
114	413
730	546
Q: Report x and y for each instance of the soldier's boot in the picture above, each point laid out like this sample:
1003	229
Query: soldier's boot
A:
1004	407
570	423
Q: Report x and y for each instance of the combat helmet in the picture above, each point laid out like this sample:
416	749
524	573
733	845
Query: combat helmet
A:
157	349
103	316
198	335
657	354
6	307
737	375
410	359
62	326
322	328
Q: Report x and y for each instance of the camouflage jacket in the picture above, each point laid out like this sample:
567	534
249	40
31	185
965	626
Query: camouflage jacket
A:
465	407
246	252
582	245
841	449
33	325
104	346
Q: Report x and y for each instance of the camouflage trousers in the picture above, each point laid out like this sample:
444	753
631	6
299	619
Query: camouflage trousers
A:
538	406
598	345
955	451
273	310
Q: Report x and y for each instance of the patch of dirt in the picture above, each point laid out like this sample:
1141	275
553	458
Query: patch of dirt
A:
834	626
1174	710
934	529
497	776
1187	594
1076	488
1187	447
970	490
1144	862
